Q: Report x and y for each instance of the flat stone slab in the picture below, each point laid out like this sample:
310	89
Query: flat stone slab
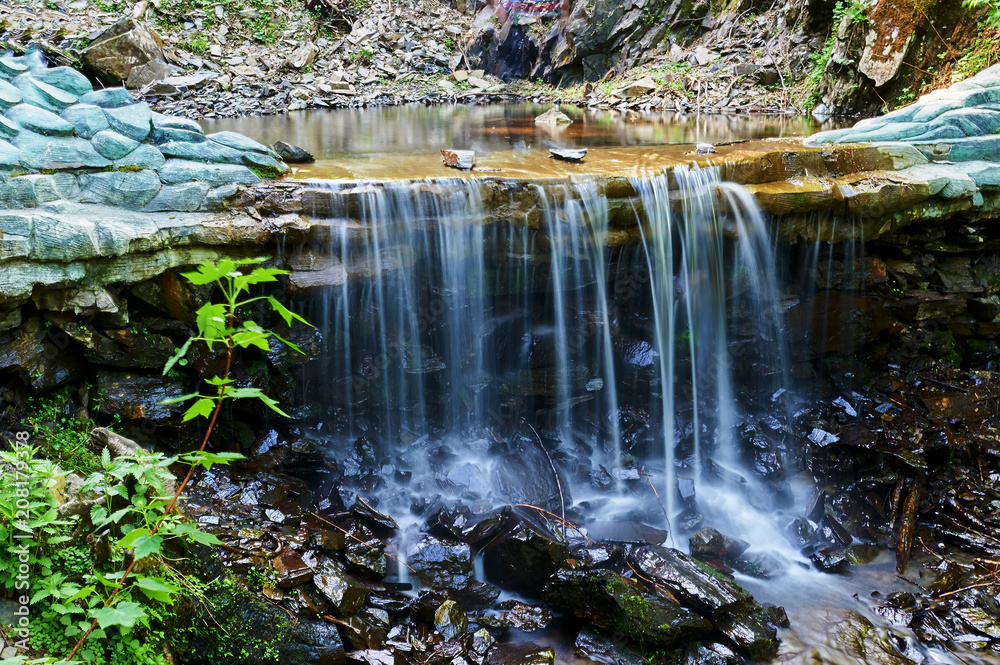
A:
143	157
10	157
8	128
239	142
184	197
55	152
11	67
179	170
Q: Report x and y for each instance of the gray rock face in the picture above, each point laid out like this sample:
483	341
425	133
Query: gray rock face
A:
143	75
39	120
956	123
54	152
87	119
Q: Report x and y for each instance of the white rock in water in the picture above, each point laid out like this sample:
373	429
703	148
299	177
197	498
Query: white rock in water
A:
553	117
569	154
459	159
704	148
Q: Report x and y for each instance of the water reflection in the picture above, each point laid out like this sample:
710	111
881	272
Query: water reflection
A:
418	129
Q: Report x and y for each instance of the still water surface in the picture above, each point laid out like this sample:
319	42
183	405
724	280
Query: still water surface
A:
417	129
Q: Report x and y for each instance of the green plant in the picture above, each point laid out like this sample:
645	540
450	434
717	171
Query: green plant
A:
993	17
362	56
62	434
197	44
153	517
856	12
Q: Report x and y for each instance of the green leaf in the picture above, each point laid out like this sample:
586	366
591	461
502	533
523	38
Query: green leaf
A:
202	407
179	398
180	353
132	536
211	320
156	589
209	272
248	338
286	313
207	459
258	276
147	546
125	614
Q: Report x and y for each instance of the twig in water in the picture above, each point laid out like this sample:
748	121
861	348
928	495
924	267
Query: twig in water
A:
555	474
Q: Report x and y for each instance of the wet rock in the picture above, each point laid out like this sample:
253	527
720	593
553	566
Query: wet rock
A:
482	641
345	592
523	556
515	614
136	396
292	570
179	170
568	155
709	543
450	620
696	583
526	477
291	154
108	98
830	559
602	649
764	565
440	565
129	350
612	602
525	653
365	511
120	48
41	360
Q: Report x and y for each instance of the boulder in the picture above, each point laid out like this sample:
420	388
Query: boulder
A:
201	151
523	556
695	583
134	121
303	56
342	589
121	47
10	157
265	163
39	120
9	95
142	75
710	544
240	142
459	159
522	653
42	94
64	78
439	564
11	67
291	154
112	145
8	128
450	620
87	119
553	117
108	98
161	121
180	170
143	157
643	86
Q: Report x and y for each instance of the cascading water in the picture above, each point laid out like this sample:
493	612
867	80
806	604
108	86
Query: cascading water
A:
468	351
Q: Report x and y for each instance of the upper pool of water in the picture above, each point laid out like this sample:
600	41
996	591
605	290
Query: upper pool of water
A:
405	141
414	128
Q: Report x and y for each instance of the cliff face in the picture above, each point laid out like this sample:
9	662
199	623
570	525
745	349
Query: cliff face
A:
854	57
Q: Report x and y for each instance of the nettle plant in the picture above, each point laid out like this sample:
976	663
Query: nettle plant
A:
133	524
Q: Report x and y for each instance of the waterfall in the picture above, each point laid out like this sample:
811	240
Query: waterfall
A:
479	351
